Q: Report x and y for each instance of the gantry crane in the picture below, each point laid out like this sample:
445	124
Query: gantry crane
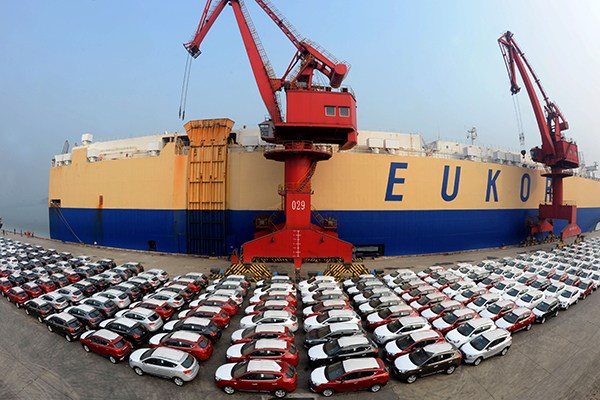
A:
557	153
316	117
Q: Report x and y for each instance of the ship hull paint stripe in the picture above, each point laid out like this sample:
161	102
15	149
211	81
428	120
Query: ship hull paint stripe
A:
400	232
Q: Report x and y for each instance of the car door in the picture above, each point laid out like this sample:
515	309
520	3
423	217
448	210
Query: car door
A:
431	366
249	381
494	348
152	365
364	380
349	382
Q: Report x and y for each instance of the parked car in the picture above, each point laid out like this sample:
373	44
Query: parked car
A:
330	317
331	332
271	317
191	342
350	375
399	327
57	300
387	315
468	330
38	308
342	349
150	319
106	306
32	290
106	343
516	320
271	349
71	293
483	301
66	325
120	299
545	309
488	344
279	305
228	305
409	343
265	331
203	326
432	359
17	295
215	314
568	296
270	376
135	332
440	309
454	319
166	363
89	316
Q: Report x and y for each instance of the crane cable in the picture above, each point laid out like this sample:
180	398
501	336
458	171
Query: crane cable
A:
184	86
519	118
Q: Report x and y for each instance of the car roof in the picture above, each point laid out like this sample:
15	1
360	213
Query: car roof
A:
154	301
399	307
333	302
477	322
340	313
17	289
463	311
169	354
106	334
438	347
521	310
142	311
352	340
38	301
422	335
126	321
197	321
65	316
269	328
186	335
493	334
342	326
85	307
277	313
359	364
411	320
271	344
274	303
210	309
263	365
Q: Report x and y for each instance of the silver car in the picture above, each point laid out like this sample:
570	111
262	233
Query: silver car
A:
149	318
486	345
166	363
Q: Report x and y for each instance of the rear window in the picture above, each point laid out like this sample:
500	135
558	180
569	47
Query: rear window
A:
203	343
290	372
153	317
138	329
120	343
188	362
73	324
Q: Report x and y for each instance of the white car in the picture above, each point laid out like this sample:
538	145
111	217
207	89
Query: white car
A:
162	275
255	299
468	330
274	279
264	345
444	306
554	289
379	303
315	279
515	292
151	279
568	297
232	294
488	344
399	273
72	294
500	307
173	299
284	318
330	317
428	271
483	301
458	287
148	318
318	288
399	311
399	327
530	299
326	295
119	298
364	286
345	345
327	305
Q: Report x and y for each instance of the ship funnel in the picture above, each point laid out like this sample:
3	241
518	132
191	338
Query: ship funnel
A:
87	139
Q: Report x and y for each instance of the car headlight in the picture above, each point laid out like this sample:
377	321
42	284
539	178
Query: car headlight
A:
217	378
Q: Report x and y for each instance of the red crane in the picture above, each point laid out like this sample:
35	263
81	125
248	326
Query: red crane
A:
557	153
316	117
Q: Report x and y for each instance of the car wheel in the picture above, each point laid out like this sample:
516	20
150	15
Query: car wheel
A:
576	301
229	390
40	319
17	305
411	379
27	311
504	351
566	307
178	381
543	320
528	327
450	370
87	349
477	361
112	359
556	313
49	328
138	371
280	393
375	388
327	392
69	338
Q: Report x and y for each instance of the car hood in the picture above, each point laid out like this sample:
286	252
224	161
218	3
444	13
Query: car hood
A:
428	313
155	340
360	298
440	324
382	331
169	325
194	304
318	376
235	350
366	307
237	335
392	347
307	310
105	322
249	309
317	352
403	363
247	321
135	356
224	371
183	314
486	314
455	337
86	334
255	299
374	317
502	323
469	350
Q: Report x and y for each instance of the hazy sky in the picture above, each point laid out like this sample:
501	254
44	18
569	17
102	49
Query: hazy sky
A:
114	69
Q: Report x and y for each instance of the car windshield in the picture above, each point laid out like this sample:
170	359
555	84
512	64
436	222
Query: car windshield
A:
394	326
419	357
583	285
465	329
455	286
375	303
188	362
543	306
566	294
248	347
120	343
479	342
552	288
331	347
414	292
322	318
536	284
405	342
322	332
438	309
239	369
450	318
45	307
385	313
500	285
511	317
468	293
527	297
138	330
513	292
423	300
94	314
480	301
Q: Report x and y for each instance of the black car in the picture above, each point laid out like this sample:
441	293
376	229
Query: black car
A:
144	286
202	326
124	273
87	288
17	279
107	307
100	283
181	290
59	279
87	315
429	360
66	325
38	308
106	263
547	308
342	349
133	331
65	255
331	332
134	267
130	290
85	272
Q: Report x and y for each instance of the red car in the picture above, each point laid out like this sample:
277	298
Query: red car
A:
389	314
454	319
469	295
47	285
265	331
106	343
190	342
17	295
194	284
227	304
498	310
350	375
216	314
409	343
32	290
517	319
440	309
73	277
161	307
586	287
5	284
269	349
271	376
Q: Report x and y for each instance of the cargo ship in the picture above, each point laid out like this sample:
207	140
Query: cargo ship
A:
200	192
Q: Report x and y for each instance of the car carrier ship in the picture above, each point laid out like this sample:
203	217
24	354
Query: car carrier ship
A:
207	190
